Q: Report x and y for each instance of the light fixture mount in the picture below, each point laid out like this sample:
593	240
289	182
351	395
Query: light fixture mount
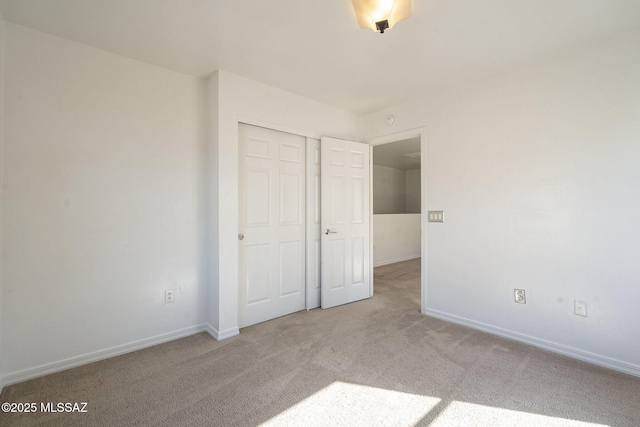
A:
382	25
381	15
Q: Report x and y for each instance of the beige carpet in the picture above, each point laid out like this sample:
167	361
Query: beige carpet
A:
374	362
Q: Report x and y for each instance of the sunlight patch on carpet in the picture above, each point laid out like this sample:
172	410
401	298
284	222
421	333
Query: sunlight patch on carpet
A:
344	404
470	414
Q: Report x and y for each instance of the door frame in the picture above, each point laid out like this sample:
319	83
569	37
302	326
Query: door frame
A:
400	136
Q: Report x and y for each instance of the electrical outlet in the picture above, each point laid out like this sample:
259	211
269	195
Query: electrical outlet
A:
519	296
168	296
580	308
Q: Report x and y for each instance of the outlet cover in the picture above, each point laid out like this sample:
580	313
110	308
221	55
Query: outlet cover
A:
580	308
519	296
168	296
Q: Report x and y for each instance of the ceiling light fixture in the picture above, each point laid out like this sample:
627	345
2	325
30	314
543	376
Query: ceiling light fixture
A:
381	15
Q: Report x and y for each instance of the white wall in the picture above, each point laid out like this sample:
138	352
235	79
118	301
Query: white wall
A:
395	191
537	172
241	99
396	237
389	190
414	200
104	162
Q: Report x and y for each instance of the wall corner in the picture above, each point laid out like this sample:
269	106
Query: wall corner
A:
212	206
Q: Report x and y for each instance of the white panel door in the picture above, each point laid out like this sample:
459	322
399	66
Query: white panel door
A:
345	275
271	224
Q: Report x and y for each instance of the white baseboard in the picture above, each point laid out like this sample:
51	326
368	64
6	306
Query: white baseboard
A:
72	362
393	261
221	335
585	356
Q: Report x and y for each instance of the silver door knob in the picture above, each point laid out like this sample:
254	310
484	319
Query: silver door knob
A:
327	231
240	236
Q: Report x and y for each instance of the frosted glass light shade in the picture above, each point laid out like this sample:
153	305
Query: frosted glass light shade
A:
369	12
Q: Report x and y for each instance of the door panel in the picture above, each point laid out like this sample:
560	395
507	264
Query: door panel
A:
257	258
291	191
257	202
290	263
271	219
345	208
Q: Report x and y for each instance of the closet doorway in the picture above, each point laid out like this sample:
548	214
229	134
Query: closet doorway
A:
291	187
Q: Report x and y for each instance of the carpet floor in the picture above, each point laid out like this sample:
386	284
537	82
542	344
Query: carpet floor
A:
373	362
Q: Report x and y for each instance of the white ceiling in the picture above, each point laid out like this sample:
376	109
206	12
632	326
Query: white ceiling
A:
394	155
315	48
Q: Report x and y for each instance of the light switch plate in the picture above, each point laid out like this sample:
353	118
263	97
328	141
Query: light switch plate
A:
436	216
